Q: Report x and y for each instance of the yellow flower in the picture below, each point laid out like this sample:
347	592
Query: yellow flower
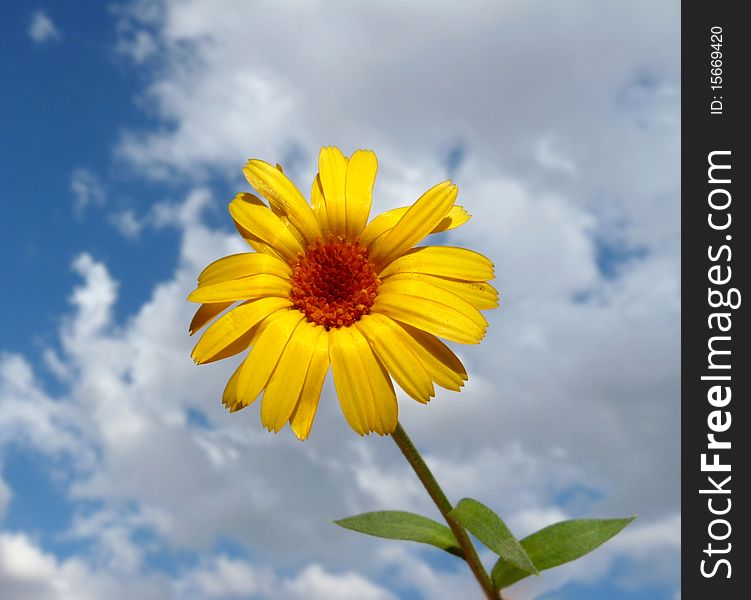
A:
325	287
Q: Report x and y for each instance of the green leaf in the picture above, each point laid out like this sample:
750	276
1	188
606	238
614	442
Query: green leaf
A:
558	544
488	527
400	525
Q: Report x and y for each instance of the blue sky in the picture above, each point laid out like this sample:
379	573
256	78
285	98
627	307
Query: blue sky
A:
125	128
70	96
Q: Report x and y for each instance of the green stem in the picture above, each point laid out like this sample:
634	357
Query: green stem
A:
442	502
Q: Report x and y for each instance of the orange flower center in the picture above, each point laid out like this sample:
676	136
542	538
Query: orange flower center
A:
334	284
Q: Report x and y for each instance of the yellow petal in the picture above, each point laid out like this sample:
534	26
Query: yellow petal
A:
415	224
283	196
205	313
255	286
257	244
387	340
319	204
241	344
244	264
232	326
443	366
282	216
382	223
434	293
254	216
264	356
361	174
355	396
332	169
377	377
479	294
430	315
456	217
444	261
229	397
302	417
286	383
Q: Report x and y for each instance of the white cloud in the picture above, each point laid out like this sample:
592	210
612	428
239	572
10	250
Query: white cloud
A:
490	87
161	215
550	156
138	45
314	583
41	28
93	301
29	573
30	417
88	190
6	495
641	541
127	223
416	575
224	577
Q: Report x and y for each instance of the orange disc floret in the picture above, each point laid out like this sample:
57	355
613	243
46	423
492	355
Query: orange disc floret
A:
334	283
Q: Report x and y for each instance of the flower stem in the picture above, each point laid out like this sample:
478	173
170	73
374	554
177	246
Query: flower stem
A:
442	502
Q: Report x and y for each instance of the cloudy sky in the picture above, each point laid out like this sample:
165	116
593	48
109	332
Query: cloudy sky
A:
125	128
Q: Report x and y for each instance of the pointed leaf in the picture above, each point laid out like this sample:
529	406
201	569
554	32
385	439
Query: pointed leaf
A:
559	544
488	527
399	525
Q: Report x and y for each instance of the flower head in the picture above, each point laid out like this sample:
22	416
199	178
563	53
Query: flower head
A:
325	288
